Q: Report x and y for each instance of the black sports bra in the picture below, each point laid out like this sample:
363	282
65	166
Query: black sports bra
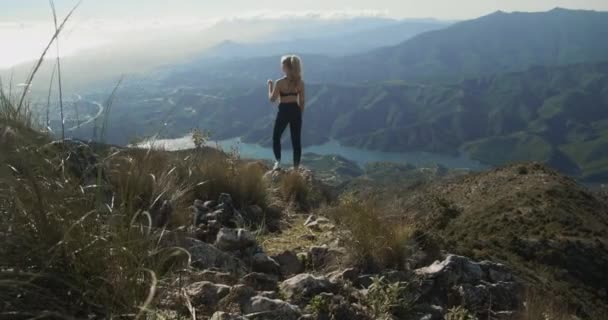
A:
290	94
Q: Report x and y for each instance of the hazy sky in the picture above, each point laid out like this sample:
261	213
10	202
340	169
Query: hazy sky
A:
446	9
27	26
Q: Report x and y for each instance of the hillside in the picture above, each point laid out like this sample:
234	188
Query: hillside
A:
95	231
496	43
557	115
527	216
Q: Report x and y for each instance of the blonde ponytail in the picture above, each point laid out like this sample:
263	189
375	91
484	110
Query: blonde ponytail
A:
294	64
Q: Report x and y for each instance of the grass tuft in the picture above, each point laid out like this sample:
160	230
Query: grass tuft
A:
373	243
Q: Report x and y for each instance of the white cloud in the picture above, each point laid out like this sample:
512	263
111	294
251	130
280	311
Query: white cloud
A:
265	15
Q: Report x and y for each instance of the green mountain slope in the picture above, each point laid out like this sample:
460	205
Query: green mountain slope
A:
555	115
496	43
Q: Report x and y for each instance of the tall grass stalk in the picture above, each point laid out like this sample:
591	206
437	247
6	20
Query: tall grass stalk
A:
30	79
48	100
59	83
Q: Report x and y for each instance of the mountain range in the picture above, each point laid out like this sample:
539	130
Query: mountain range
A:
502	88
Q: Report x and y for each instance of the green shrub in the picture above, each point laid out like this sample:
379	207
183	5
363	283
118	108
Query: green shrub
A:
387	300
459	313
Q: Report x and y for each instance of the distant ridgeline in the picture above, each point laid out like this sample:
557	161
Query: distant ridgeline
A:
503	88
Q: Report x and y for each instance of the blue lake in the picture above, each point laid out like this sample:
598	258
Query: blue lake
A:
361	156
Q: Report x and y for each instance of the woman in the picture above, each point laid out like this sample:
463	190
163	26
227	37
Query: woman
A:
290	92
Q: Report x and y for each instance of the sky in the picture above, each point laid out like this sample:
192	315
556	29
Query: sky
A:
26	24
443	9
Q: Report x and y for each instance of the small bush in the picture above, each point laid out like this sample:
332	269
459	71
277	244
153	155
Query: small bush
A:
319	305
373	243
459	313
387	300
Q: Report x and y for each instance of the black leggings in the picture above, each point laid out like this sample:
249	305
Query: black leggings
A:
289	114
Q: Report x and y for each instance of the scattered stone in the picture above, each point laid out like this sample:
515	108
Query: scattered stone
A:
260	262
308	237
305	286
318	223
264	308
350	274
322	256
270	294
240	295
479	287
261	281
206	293
234	239
289	263
454	269
210	204
427	312
220	315
213	276
206	256
311	218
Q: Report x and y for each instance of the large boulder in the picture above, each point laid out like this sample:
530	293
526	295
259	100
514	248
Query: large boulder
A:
479	286
263	308
234	239
453	270
303	287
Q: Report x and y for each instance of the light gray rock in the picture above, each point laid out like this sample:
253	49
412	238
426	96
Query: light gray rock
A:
260	262
234	239
264	308
289	263
453	270
206	293
261	281
479	287
322	256
213	276
305	286
349	274
206	256
220	315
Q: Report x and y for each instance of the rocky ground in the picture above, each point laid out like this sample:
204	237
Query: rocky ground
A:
299	271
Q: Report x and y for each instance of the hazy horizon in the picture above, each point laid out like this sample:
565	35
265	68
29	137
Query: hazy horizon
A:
27	24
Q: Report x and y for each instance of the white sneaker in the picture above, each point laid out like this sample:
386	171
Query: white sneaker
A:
277	166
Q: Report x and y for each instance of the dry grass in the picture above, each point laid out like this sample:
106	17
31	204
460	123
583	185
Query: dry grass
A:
227	174
540	306
65	254
373	243
296	237
80	239
293	188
